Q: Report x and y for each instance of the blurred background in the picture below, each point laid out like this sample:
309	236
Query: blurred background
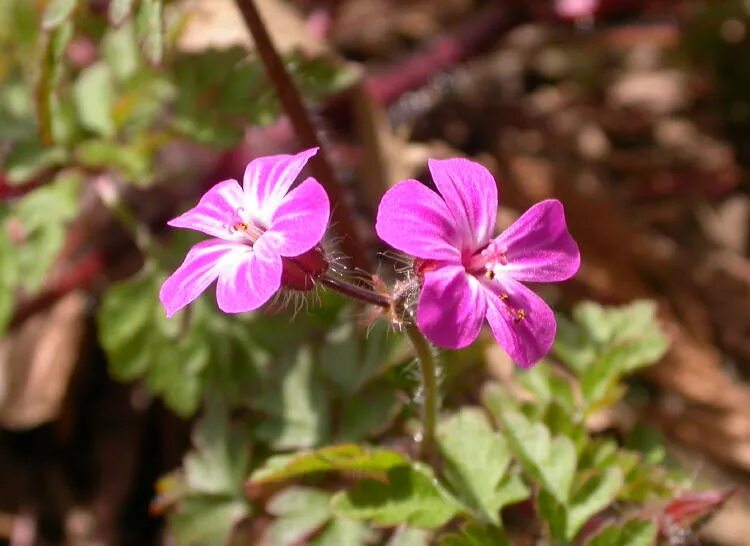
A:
116	115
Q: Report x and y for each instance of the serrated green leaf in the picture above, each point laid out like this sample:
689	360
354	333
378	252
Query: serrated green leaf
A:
344	531
595	494
476	459
94	95
476	535
206	520
150	30
634	533
411	496
550	460
407	536
57	12
295	403
299	511
141	342
371	409
119	10
218	463
341	458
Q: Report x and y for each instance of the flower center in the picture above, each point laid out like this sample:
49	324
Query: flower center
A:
488	262
251	231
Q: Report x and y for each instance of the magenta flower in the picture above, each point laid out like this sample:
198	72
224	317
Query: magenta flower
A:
257	228
467	275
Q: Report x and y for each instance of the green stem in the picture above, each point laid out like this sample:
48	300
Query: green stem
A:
110	195
430	395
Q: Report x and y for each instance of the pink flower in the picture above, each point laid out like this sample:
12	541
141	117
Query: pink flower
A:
576	9
469	276
256	229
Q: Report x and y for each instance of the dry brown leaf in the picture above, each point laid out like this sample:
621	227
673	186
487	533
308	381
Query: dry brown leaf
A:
37	361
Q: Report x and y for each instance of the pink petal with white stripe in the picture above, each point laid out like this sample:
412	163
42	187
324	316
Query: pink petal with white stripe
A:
215	212
267	180
200	268
250	279
301	219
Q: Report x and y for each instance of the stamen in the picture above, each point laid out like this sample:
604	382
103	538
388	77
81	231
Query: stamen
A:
520	315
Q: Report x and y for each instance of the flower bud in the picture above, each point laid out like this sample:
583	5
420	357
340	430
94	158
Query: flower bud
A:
301	272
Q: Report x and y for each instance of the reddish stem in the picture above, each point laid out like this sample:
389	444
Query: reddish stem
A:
475	34
299	116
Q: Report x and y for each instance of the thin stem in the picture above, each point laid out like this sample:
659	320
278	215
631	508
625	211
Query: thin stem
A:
110	195
430	398
299	116
355	292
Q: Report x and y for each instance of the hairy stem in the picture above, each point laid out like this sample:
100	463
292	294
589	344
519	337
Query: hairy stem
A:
299	116
355	292
430	395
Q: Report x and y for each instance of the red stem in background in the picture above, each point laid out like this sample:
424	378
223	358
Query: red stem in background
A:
478	32
299	116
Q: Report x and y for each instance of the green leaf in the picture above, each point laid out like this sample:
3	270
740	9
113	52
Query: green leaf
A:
295	403
206	520
411	495
133	164
219	461
119	50
150	30
476	535
341	458
40	221
634	533
119	10
94	95
344	531
476	459
52	120
594	495
552	461
25	160
141	341
371	409
57	12
407	536
299	511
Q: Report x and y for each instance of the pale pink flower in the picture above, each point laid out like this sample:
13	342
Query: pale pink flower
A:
256	228
468	276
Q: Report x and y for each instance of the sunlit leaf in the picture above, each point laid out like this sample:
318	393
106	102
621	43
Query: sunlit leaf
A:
341	458
411	495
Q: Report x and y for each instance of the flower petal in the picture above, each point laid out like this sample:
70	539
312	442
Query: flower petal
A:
414	219
525	339
301	219
250	279
470	192
539	247
451	308
215	212
197	272
267	179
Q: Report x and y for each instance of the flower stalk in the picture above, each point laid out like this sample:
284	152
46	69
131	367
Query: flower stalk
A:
355	292
430	394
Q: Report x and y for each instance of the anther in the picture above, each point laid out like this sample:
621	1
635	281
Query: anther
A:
520	315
